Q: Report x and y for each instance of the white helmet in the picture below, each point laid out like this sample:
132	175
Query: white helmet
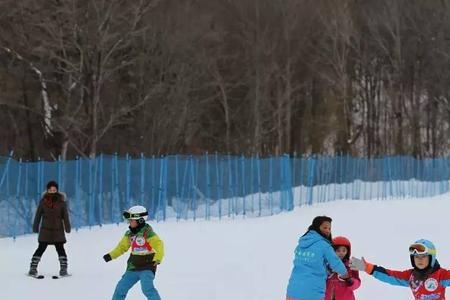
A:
135	213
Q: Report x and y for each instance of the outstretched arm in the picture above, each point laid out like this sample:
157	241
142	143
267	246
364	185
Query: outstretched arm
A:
399	278
121	248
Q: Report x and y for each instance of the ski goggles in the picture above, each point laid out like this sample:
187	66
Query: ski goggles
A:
420	249
127	215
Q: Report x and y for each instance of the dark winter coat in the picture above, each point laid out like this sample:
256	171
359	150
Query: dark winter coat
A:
52	210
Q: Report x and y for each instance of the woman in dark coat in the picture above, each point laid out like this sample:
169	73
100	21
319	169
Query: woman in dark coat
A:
50	221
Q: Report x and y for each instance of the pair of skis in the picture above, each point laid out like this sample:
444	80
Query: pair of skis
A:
39	276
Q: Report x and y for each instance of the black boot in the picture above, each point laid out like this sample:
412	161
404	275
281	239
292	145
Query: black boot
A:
33	265
63	264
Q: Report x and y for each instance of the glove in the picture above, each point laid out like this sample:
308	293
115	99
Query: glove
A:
154	267
349	281
358	264
107	257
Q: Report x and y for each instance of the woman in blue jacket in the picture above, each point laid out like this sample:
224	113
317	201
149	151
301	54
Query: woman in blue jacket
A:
313	254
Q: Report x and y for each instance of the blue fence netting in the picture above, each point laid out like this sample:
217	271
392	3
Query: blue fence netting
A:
191	187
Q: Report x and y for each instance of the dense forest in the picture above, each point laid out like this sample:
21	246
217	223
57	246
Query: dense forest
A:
359	77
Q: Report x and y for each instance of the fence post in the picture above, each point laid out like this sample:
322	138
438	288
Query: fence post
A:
6	174
77	194
288	182
90	194
243	185
282	194
367	180
346	177
142	165
236	185
38	181
42	170
117	188
100	192
154	189
6	168
342	176
252	181
293	169
160	185
208	189
177	189
219	186
391	185
27	207
230	186
166	178
94	190
353	178
329	178
19	184
184	189
58	162
446	175
258	166
334	165
127	180
270	184
112	218
386	176
319	181
7	184
311	175
193	193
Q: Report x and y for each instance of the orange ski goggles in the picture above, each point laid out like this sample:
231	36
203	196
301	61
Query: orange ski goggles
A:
420	249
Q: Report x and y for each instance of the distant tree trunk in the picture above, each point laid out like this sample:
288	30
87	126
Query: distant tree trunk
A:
289	100
315	129
97	84
258	85
415	111
434	128
29	126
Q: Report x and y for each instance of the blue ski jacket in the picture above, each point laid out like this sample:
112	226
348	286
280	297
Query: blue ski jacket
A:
312	256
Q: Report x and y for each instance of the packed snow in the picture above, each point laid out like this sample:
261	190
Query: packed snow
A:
233	258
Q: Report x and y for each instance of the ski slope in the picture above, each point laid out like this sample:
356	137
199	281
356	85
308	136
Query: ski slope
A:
232	259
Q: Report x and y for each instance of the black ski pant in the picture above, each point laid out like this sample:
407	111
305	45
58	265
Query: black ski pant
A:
42	246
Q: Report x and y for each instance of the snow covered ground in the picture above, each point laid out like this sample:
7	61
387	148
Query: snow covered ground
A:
232	259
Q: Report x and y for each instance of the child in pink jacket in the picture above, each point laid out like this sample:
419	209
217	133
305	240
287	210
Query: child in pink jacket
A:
339	288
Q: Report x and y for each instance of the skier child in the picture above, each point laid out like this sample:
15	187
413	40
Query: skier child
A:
147	251
340	288
426	279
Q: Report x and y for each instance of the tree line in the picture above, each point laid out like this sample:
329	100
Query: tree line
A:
254	77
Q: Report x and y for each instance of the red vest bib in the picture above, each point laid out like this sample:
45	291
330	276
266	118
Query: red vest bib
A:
139	244
429	289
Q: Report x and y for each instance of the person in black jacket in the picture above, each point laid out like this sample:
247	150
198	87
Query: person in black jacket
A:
50	221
